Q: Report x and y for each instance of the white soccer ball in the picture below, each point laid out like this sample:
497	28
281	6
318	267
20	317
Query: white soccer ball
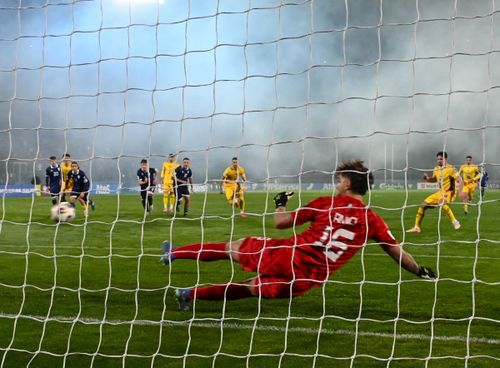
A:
63	212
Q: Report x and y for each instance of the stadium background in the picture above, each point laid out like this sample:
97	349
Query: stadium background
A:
290	87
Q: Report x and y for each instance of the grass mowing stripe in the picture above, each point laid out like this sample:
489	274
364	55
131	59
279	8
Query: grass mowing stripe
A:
267	328
109	267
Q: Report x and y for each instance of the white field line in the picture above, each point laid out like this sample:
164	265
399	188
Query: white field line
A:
266	328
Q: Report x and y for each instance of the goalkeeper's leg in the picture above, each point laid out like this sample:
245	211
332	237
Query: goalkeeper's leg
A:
206	252
230	291
226	291
266	286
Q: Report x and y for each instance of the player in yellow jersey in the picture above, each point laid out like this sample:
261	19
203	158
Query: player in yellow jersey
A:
470	175
67	184
446	176
234	183
167	178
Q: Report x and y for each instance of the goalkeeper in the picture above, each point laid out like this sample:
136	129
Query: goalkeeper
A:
339	227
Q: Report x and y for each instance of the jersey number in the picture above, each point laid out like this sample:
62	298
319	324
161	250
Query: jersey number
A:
334	254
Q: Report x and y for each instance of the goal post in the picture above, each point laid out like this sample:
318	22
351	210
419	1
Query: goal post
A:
291	88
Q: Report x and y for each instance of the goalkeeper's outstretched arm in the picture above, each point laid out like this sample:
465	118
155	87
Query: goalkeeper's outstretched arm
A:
406	261
282	219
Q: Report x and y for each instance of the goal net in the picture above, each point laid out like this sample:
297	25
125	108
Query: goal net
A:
291	89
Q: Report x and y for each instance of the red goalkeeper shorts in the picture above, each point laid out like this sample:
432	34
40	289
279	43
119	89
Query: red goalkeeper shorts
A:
276	262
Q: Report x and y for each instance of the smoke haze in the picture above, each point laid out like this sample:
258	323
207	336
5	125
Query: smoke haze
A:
291	87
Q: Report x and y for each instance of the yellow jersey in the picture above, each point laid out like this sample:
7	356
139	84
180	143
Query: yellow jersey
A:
445	177
67	184
232	176
65	170
470	173
167	171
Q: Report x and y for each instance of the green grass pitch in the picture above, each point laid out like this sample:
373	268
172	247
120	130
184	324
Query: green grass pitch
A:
94	294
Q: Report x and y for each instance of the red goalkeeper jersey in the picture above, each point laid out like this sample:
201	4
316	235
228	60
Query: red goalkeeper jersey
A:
340	226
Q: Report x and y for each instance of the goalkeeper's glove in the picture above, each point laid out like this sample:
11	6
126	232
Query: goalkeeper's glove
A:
282	198
426	273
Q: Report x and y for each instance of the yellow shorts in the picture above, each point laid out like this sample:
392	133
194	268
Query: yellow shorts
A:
469	189
440	197
233	192
168	188
67	188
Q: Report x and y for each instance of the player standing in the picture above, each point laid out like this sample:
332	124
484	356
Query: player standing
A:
470	175
446	176
81	187
147	179
183	179
340	227
167	177
234	181
484	180
67	185
53	180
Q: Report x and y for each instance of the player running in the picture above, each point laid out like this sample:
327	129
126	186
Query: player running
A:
446	176
53	180
167	178
81	188
470	175
234	182
183	179
339	227
146	178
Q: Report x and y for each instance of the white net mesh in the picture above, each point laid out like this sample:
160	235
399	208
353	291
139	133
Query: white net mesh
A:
291	88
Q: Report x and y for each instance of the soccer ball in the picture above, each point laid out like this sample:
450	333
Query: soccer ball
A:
63	212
